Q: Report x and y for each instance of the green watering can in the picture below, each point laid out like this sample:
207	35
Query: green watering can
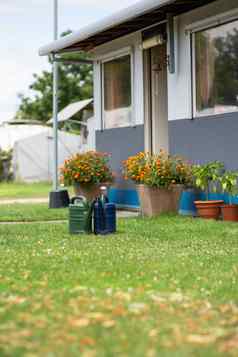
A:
80	216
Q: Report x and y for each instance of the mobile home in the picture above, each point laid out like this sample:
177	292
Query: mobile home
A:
165	76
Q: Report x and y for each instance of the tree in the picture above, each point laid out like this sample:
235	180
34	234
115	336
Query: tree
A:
75	83
226	81
6	173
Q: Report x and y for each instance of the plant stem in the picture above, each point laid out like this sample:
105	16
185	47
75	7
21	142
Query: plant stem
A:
207	192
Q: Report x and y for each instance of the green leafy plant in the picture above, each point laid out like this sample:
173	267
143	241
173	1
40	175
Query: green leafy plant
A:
6	173
229	183
75	84
207	176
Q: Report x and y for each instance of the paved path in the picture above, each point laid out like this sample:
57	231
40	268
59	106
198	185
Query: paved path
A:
31	222
120	214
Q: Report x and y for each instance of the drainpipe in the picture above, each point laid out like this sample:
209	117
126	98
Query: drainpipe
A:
170	19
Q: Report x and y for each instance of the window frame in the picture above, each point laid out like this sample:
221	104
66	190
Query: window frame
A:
208	26
105	59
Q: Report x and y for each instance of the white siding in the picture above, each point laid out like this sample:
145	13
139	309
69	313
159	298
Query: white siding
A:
134	42
179	84
97	94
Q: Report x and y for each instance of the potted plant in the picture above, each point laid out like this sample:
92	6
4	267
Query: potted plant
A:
207	179
160	180
229	185
87	172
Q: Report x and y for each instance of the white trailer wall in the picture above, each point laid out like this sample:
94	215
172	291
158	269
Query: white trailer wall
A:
33	157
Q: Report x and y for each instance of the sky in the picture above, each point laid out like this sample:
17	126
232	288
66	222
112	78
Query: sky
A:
25	26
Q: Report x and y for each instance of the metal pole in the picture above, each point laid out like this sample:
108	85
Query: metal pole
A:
55	102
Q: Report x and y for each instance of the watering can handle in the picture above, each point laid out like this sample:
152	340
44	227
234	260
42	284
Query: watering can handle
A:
78	198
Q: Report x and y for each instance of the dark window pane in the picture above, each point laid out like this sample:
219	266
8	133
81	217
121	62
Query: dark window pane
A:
117	92
216	55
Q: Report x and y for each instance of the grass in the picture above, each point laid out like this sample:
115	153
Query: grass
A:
14	190
160	287
31	213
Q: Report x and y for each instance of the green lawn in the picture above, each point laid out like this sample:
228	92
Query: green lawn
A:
160	287
14	190
31	212
23	190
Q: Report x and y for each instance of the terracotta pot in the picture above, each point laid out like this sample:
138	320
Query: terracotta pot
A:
90	192
230	213
209	209
154	201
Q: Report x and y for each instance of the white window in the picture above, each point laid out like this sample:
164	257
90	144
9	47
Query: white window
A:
216	69
117	92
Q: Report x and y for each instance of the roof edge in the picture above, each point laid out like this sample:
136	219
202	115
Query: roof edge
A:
129	13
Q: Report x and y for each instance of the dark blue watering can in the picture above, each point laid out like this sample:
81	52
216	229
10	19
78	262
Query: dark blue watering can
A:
104	216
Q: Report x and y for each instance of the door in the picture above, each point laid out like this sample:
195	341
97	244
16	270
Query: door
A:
156	93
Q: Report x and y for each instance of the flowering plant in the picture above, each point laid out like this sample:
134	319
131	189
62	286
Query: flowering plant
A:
86	168
161	170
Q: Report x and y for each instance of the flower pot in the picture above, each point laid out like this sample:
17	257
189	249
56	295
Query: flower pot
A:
209	209
89	191
154	201
230	213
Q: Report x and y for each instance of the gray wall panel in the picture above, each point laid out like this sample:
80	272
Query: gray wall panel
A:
200	140
206	139
120	143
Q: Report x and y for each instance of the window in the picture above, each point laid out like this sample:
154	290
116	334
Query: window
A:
117	92
216	69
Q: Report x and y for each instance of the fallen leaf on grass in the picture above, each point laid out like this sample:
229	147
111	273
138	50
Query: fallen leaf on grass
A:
230	344
89	353
153	333
177	334
83	322
87	341
97	316
16	300
201	339
151	353
40	323
137	308
177	298
109	324
120	295
119	311
24	333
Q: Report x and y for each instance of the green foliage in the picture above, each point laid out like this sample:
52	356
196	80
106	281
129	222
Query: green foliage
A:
207	176
226	79
6	165
229	183
75	83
